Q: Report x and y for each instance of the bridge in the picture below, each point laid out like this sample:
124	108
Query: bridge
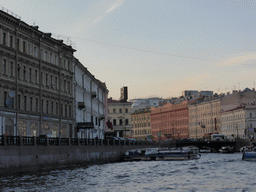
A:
214	145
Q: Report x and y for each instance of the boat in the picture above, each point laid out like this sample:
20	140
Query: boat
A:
162	154
227	149
205	149
249	155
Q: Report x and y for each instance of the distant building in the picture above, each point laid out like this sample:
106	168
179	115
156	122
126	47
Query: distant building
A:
119	115
140	104
141	126
170	121
194	93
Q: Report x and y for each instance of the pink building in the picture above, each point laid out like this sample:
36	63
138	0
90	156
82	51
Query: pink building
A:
170	121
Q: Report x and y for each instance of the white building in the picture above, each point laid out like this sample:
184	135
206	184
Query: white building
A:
239	122
90	103
138	104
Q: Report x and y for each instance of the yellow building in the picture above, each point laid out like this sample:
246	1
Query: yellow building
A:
141	126
119	114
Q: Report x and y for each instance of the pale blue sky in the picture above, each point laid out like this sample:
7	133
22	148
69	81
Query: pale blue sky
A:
155	47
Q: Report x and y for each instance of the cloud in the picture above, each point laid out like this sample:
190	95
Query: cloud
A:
114	6
246	59
96	14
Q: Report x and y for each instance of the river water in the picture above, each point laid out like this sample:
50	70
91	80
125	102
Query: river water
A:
212	172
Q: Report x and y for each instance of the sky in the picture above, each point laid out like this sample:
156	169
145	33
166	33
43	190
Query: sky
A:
157	48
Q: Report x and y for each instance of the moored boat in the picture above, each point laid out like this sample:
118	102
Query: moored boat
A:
227	149
162	154
205	150
249	155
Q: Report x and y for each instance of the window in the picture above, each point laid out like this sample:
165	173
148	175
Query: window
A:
36	104
45	56
51	81
42	107
114	121
114	110
250	115
126	122
57	108
30	75
96	121
126	110
70	111
18	102
65	85
25	103
66	111
56	82
31	103
24	46
35	52
5	98
24	73
18	44
11	41
120	110
4	38
46	79
36	76
5	67
52	107
11	69
50	57
120	122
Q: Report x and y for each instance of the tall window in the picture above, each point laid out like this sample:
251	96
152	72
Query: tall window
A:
30	74
52	107
5	98
126	122
36	76
36	104
45	56
70	111
24	73
24	46
114	121
42	107
47	107
114	110
11	69
65	86
4	38
126	110
11	41
18	102
5	67
57	108
120	122
25	103
51	81
120	110
56	82
66	110
46	79
31	104
35	52
18	44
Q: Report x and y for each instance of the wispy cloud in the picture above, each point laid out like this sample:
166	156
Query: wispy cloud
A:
88	22
247	59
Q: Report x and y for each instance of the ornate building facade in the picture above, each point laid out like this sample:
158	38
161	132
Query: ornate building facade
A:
36	81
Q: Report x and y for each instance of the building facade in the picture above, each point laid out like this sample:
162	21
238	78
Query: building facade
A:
119	114
204	117
36	81
170	120
239	122
90	103
141	124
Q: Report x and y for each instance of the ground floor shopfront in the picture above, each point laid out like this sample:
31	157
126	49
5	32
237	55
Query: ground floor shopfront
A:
29	126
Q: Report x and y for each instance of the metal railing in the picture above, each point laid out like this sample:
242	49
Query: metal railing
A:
49	141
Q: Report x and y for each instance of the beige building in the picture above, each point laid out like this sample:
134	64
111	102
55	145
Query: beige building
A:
119	114
204	117
36	81
141	127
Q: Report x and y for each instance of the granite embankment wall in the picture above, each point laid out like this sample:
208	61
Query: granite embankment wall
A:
32	158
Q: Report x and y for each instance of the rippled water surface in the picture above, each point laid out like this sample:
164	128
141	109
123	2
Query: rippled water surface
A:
212	172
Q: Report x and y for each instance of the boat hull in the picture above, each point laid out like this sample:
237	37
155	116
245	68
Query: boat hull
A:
249	156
